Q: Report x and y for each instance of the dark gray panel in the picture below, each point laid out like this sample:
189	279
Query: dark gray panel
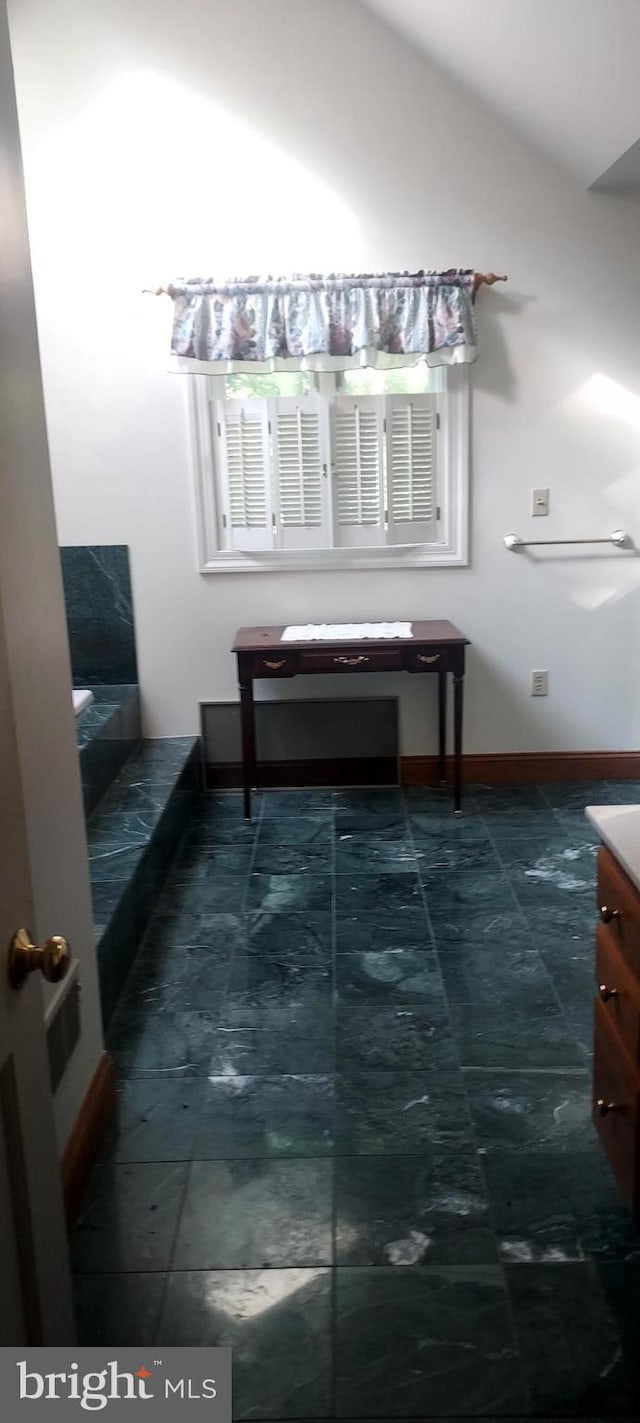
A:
318	730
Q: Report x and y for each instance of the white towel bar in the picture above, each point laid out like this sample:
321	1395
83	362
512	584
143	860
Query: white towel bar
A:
514	542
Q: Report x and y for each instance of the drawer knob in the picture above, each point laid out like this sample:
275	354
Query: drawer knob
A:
606	993
607	914
351	661
605	1109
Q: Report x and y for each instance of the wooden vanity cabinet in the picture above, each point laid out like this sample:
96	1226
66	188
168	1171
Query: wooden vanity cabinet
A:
616	1067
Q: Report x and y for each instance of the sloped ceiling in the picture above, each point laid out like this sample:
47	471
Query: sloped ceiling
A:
564	74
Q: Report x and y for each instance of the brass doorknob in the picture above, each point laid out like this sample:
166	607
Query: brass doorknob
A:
605	1108
607	914
606	993
53	959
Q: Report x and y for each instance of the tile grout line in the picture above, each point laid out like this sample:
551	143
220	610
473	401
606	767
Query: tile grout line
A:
524	1383
188	1173
471	1123
503	868
172	1251
252	857
333	1299
495	845
500	1265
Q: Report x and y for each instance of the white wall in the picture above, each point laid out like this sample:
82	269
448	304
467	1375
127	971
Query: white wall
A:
538	64
164	139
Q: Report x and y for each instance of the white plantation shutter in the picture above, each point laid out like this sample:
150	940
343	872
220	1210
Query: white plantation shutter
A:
300	457
411	437
357	449
312	472
243	473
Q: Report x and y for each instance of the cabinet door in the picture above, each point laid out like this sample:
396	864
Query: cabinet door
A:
616	1097
619	906
618	990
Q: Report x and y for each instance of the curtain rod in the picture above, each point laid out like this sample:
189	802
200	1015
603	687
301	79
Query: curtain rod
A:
480	279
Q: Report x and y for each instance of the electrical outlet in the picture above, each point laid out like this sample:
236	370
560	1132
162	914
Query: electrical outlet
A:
540	684
539	502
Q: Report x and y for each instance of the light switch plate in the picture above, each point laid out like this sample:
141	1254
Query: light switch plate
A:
539	502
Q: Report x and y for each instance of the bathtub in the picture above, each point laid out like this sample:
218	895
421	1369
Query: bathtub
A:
82	698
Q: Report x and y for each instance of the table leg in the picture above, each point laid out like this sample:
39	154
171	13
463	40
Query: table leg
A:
248	726
458	687
442	728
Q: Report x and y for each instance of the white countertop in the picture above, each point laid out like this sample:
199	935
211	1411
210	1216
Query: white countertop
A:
619	828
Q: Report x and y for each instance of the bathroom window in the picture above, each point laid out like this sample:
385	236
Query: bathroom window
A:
362	468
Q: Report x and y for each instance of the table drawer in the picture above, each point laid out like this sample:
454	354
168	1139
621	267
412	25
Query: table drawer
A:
616	1100
275	664
619	992
386	660
619	907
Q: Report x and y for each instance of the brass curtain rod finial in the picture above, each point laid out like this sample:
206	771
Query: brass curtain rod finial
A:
486	279
158	291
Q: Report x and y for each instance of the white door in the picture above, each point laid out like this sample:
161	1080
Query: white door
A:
35	1298
43	869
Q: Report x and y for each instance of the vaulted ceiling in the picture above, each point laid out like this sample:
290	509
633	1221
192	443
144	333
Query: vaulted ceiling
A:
562	73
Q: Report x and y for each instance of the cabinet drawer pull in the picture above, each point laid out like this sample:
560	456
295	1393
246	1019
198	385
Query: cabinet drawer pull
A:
607	914
351	661
604	1109
422	658
274	666
607	993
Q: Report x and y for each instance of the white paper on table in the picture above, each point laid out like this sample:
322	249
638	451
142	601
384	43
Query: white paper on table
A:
334	632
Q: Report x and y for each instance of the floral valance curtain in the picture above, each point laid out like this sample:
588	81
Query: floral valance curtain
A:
324	322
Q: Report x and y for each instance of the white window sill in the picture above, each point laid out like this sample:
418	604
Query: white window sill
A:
319	561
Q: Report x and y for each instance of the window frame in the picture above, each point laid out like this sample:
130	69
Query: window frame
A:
451	550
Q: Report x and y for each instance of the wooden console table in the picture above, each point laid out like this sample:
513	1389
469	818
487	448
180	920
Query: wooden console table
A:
434	647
